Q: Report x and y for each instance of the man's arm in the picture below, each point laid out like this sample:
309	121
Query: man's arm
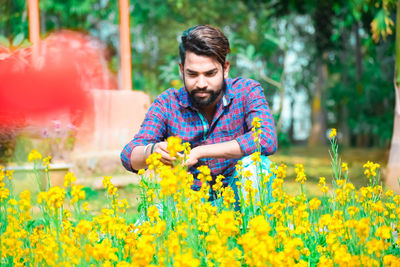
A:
141	153
257	106
227	150
152	130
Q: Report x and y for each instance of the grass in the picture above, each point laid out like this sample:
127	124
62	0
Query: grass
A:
317	163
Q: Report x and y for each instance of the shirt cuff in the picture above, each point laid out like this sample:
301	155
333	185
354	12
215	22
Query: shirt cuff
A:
246	143
126	157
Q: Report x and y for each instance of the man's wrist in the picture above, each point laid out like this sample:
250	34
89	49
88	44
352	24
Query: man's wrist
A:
198	152
145	150
152	148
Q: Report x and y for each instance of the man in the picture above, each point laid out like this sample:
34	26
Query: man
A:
212	112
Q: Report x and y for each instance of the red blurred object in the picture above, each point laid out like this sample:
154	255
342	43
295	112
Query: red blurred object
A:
69	64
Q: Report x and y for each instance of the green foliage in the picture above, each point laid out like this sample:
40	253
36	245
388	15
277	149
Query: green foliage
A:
261	34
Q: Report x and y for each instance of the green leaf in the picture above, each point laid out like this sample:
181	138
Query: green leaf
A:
18	39
272	39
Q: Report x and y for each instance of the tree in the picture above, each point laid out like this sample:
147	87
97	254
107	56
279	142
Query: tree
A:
393	167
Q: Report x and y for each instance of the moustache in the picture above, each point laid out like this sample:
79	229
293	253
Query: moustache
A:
201	91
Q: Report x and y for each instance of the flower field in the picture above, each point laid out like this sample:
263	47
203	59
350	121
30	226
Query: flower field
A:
344	227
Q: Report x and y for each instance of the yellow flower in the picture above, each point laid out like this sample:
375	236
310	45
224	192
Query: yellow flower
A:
25	200
391	260
174	145
332	133
77	193
4	193
322	185
85	207
345	168
54	198
384	232
389	193
83	227
187	148
153	213
228	196
340	182
153	161
69	178
34	155
218	183
9	174
370	168
256	123
279	171
352	210
46	163
301	176
314	203
256	157
186	259
227	225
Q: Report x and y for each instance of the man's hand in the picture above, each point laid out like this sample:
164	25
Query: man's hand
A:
161	148
193	157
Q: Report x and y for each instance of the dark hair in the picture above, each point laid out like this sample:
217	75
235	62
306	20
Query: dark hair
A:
204	40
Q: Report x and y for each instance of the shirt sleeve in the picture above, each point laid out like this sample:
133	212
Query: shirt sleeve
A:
257	106
153	129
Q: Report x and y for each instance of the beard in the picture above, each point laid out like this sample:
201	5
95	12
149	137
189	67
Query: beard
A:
200	102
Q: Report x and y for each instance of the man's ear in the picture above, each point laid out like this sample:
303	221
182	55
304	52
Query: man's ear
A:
181	70
226	69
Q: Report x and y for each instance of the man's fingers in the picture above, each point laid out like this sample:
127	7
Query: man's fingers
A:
165	157
163	146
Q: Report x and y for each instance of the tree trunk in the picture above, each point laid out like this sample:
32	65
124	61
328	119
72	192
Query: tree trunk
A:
318	118
343	122
393	167
291	127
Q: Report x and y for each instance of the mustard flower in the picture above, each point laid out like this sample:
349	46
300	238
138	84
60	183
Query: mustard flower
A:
301	176
77	193
46	163
345	167
332	133
314	203
174	145
256	123
370	168
4	193
34	155
69	178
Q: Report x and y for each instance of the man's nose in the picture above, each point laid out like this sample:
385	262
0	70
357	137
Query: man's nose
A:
201	82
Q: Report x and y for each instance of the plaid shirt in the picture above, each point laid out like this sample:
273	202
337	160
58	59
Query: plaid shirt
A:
172	114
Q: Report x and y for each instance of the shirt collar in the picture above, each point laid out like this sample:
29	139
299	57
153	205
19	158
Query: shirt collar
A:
184	101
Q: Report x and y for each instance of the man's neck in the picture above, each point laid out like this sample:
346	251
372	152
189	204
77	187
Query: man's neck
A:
209	111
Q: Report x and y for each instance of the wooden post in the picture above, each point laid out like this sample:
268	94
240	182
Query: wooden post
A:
34	28
125	45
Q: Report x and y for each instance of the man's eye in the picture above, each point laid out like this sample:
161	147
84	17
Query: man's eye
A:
211	74
192	74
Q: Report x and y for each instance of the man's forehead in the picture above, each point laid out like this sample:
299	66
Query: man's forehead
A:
200	63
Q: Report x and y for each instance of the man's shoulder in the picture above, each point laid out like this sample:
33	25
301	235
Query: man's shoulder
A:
168	96
240	83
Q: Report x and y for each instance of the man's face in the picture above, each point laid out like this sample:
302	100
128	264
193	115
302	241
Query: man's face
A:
203	78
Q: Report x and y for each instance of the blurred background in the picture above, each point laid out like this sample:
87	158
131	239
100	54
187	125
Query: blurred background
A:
322	64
